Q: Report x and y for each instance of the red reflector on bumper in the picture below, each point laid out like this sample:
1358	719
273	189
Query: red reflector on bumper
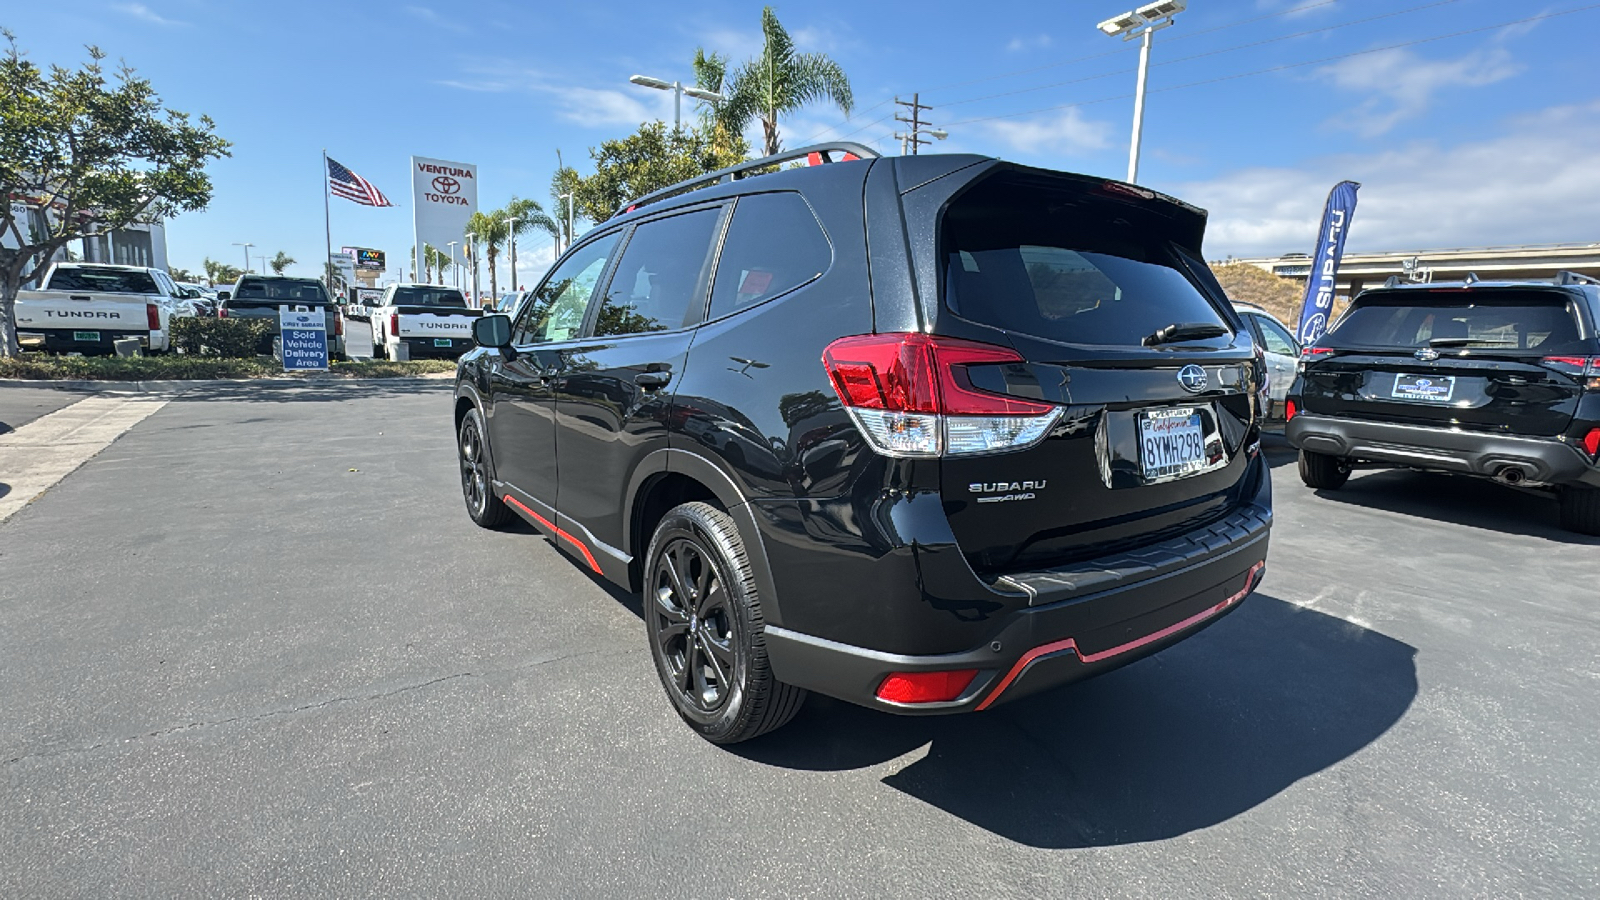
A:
925	687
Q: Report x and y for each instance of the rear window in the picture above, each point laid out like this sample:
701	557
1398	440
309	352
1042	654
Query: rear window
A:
298	290
1510	321
1063	269
106	281
428	296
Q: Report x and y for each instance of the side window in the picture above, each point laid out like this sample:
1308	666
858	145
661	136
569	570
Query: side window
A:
555	311
774	245
660	284
1277	340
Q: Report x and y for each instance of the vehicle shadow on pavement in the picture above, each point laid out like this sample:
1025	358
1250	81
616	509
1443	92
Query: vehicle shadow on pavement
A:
317	391
1461	499
1179	742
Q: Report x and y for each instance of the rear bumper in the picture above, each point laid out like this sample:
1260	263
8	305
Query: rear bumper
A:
1546	460
65	340
424	346
1144	603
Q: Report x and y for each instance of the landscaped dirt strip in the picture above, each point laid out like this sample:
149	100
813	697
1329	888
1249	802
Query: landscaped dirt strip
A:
39	454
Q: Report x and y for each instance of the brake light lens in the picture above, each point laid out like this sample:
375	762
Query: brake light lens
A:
1584	367
152	316
338	325
911	395
925	687
1315	352
394	325
222	312
1289	410
1591	443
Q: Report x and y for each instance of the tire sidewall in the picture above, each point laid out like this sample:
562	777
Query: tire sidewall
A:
475	421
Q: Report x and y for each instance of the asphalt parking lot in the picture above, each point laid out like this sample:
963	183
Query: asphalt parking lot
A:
255	647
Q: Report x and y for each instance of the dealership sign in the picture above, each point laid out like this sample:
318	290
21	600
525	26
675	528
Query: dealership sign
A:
367	259
444	195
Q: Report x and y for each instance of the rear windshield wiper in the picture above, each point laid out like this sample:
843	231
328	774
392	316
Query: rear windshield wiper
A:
1184	331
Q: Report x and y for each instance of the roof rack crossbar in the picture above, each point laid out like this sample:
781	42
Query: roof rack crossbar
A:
826	151
1566	276
1392	281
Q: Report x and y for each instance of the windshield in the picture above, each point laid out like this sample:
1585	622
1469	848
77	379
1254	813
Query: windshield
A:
299	290
428	296
105	281
1015	260
1511	321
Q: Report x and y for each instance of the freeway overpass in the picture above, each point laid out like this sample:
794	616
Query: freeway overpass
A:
1364	270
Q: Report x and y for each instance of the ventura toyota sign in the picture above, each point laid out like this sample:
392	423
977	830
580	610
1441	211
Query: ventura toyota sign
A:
444	195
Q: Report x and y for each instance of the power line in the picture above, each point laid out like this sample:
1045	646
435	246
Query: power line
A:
1286	66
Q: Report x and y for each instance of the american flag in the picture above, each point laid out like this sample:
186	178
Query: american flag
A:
349	185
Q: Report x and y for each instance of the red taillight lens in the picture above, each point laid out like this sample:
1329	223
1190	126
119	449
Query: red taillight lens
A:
222	312
1315	352
1289	410
338	325
912	395
1586	368
925	687
394	325
1591	442
152	316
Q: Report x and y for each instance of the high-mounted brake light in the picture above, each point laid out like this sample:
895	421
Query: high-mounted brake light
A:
911	396
152	316
925	687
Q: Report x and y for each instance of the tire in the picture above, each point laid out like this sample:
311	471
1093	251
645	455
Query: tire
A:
703	621
485	509
1323	472
1580	509
378	350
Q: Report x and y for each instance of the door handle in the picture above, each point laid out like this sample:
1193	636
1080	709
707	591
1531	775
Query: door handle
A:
652	381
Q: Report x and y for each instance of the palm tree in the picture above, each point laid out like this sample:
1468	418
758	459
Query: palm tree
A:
280	262
488	230
777	82
529	216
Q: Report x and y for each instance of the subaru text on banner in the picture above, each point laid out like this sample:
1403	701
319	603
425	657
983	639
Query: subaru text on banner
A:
927	434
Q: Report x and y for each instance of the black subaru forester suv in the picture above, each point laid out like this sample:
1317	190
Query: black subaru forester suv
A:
1497	379
926	434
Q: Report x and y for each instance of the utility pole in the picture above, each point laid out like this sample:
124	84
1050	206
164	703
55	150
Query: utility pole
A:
919	126
511	230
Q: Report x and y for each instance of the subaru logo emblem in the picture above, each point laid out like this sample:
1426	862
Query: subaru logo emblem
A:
1427	354
1193	378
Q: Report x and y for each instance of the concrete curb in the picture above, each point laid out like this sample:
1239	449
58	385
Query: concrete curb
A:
152	387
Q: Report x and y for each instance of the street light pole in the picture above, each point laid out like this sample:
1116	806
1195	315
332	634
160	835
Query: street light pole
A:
455	273
246	247
1143	23
678	90
511	230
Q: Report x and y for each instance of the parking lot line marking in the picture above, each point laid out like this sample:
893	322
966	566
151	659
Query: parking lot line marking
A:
41	453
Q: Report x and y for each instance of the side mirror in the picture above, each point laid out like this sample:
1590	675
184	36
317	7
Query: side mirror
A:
224	295
492	331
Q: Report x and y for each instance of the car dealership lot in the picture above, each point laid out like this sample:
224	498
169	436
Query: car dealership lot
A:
232	665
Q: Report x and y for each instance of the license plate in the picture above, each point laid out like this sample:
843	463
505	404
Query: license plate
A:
92	336
441	342
1424	388
1171	443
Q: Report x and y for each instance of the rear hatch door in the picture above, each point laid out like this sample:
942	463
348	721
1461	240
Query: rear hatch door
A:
1079	276
1486	358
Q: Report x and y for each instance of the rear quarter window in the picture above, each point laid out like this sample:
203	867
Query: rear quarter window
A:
774	245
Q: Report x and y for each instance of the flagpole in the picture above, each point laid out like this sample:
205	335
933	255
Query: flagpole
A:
327	223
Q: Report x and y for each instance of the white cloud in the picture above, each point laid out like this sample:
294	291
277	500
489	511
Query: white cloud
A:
1020	44
145	13
1063	132
586	106
1402	84
434	19
1533	184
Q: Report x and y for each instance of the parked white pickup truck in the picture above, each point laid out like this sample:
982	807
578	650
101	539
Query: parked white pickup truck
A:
362	300
86	307
429	319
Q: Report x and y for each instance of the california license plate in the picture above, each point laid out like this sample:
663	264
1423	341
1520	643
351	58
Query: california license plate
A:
1424	388
1172	443
92	336
441	342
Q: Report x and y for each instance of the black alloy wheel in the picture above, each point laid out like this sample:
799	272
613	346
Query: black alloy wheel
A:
483	506
703	619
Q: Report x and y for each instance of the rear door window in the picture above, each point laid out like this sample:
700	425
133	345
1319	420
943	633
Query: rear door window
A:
1276	339
774	245
660	282
555	311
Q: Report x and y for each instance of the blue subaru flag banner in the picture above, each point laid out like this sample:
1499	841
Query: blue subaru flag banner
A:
1318	304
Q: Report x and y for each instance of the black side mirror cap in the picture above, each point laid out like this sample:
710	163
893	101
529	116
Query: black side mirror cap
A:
492	331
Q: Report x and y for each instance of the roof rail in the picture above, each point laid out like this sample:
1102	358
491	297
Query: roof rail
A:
1569	277
825	152
1393	281
1472	278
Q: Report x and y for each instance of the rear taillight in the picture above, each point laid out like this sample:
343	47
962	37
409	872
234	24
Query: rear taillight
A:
1591	443
925	687
152	316
1586	368
911	396
222	312
394	325
1289	410
338	325
1314	353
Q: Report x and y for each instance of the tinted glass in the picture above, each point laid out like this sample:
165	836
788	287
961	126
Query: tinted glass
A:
555	311
774	245
1277	340
1035	264
660	281
428	296
1502	321
299	290
107	281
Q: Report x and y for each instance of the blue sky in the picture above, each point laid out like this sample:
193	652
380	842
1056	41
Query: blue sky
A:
1465	127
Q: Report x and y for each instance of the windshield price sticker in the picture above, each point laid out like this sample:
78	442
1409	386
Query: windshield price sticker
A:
303	338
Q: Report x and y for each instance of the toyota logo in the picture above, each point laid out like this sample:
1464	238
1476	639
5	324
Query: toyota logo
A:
444	184
1193	378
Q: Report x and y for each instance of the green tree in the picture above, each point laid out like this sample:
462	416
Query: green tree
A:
776	83
566	180
220	272
433	262
489	231
648	160
181	274
82	155
280	262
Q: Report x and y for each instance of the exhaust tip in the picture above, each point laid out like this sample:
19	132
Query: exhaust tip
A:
1510	475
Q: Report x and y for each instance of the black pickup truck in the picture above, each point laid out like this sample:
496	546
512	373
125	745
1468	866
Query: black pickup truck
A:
259	296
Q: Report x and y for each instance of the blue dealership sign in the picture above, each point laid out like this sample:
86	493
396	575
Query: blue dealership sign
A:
1318	303
303	338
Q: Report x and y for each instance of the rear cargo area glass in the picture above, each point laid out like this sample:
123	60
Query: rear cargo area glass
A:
1071	268
1503	321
